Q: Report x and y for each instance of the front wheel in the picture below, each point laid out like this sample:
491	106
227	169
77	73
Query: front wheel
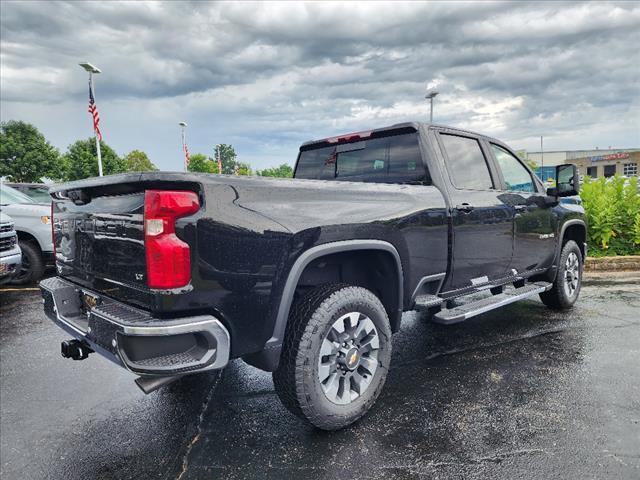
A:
335	356
566	287
32	268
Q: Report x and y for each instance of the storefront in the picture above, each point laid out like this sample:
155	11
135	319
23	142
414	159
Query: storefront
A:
623	163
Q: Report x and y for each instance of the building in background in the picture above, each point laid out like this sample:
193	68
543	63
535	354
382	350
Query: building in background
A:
594	163
621	163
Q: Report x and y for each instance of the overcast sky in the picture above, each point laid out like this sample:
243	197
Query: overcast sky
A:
266	77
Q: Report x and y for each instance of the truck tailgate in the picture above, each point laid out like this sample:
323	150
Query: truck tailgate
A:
103	239
99	239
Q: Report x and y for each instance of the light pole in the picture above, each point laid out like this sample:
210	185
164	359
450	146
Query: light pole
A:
183	125
93	69
431	95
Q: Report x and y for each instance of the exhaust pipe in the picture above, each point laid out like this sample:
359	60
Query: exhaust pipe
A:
151	384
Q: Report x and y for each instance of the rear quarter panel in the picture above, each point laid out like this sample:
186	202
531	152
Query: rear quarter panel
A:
250	234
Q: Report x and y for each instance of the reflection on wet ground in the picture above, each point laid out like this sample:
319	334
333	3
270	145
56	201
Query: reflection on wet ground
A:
518	392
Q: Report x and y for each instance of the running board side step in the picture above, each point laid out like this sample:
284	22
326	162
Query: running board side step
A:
468	310
426	301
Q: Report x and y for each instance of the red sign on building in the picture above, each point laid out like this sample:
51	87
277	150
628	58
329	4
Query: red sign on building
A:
611	156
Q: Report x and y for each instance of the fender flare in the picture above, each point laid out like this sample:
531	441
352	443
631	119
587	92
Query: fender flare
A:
286	300
565	225
31	237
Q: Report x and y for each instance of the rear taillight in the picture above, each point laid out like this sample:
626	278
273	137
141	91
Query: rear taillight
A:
168	257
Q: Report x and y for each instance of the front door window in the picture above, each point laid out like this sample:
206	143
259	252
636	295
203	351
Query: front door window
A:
516	176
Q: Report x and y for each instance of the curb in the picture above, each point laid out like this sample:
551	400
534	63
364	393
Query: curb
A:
612	277
613	264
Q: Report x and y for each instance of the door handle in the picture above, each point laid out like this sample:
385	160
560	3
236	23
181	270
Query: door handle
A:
464	208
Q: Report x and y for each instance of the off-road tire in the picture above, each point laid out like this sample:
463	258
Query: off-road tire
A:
557	297
32	260
296	379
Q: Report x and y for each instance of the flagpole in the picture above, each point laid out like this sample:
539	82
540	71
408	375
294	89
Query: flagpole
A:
183	150
93	93
219	160
184	147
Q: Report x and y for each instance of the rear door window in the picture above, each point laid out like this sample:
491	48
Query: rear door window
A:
393	159
466	163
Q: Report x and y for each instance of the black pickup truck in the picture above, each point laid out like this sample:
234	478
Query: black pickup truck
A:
168	274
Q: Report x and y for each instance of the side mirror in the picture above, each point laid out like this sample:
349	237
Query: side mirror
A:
567	181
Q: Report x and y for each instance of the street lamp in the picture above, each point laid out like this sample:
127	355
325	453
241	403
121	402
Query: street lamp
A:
431	95
183	125
91	69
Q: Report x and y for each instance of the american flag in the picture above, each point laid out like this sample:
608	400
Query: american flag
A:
187	158
93	110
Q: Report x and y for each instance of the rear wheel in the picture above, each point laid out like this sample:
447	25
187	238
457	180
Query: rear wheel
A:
336	356
32	268
566	287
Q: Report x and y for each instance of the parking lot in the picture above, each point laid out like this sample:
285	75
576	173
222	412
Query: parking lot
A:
520	392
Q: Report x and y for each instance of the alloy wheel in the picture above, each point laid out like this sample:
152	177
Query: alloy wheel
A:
571	274
348	358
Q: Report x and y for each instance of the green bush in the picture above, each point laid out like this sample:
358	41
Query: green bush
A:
612	206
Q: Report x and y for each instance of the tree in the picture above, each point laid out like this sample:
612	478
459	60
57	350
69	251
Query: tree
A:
230	166
532	164
243	169
25	155
138	161
283	171
199	162
228	156
81	160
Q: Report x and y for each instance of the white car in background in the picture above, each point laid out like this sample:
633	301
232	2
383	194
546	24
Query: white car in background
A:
33	227
10	254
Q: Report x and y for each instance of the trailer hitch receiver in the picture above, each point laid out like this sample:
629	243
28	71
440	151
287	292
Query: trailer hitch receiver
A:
75	349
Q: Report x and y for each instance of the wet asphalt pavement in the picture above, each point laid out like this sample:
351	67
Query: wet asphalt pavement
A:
520	392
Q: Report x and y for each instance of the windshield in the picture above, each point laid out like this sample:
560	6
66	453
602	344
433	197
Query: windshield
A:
393	159
38	193
10	195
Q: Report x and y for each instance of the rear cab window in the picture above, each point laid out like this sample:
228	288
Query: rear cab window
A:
393	158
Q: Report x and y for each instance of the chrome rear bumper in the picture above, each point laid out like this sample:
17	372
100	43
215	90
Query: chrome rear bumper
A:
133	338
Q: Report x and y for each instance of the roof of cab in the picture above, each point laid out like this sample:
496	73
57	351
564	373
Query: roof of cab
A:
397	126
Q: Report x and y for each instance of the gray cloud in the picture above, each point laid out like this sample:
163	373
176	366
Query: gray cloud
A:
267	76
